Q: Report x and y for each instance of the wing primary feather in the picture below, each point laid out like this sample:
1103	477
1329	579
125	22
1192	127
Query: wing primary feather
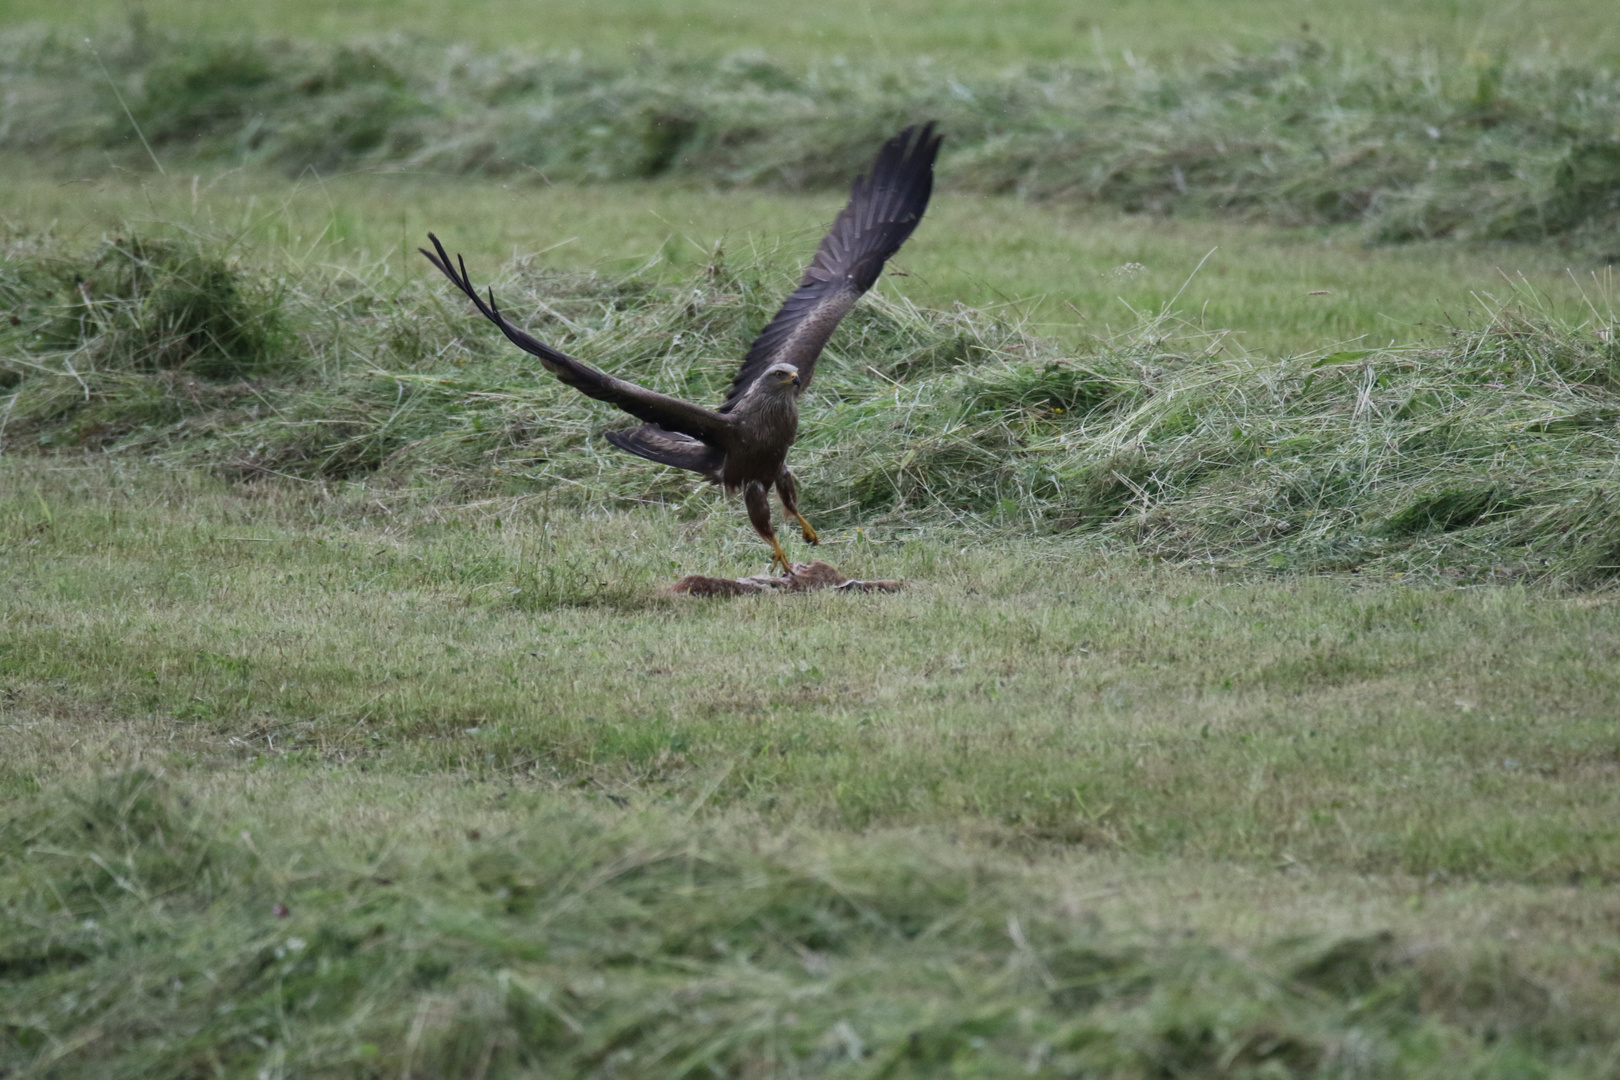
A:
885	205
667	412
667	448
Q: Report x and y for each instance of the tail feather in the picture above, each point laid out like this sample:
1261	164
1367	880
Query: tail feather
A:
670	448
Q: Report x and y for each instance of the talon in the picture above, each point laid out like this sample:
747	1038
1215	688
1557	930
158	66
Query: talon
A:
779	557
810	536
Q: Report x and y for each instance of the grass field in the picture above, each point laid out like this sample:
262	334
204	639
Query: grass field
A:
1067	273
979	34
1249	710
517	810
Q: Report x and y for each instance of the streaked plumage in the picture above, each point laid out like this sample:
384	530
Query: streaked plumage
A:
743	444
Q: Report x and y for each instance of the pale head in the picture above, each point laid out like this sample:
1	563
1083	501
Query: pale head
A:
780	378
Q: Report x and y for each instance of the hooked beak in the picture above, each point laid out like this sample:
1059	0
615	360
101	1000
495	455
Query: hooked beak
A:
796	381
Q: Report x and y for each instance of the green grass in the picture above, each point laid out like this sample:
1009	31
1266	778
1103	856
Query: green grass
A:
1513	147
445	786
1249	708
1488	455
966	33
1066	273
519	812
1030	690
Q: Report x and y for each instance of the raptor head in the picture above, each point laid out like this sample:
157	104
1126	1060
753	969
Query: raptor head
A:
782	377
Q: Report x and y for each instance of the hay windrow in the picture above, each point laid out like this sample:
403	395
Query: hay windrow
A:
168	943
1411	147
1493	456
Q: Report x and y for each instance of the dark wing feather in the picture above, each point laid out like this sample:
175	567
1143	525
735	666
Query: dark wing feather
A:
667	412
670	448
884	207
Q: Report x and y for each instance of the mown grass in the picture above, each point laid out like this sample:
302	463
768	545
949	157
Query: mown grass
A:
974	36
1040	696
1505	147
1249	708
455	795
1066	273
763	837
1491	455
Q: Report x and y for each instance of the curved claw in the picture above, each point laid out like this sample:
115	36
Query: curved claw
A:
810	536
779	557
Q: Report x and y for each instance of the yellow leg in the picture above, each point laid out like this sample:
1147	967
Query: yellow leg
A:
810	536
788	489
759	514
780	557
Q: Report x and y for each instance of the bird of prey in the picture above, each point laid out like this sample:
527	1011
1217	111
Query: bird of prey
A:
743	443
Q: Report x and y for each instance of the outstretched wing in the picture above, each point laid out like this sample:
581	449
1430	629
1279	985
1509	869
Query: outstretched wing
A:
671	414
883	209
670	448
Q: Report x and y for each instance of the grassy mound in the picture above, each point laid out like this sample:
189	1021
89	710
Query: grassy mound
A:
1493	456
147	320
144	937
1503	147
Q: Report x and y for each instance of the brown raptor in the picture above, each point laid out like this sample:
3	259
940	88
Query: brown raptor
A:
743	444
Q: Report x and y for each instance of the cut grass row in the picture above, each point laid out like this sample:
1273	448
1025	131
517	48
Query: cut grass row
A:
964	33
1489	456
1516	147
550	940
